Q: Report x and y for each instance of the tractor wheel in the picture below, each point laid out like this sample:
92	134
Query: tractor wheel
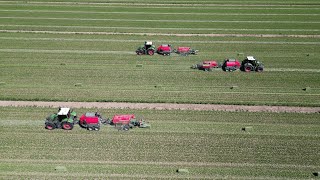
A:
248	67
259	69
67	126
151	52
50	126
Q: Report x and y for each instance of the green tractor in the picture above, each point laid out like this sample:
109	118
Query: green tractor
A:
251	64
147	48
65	119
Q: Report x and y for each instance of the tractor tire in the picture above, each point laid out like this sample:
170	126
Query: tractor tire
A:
248	67
50	126
259	69
151	52
67	126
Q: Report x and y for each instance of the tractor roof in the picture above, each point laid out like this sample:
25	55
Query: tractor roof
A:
63	111
148	43
251	58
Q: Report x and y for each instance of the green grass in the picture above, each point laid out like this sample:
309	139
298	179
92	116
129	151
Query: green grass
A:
32	72
52	65
210	144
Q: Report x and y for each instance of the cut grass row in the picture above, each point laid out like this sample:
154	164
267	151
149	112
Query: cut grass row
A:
180	2
209	144
94	18
312	18
237	27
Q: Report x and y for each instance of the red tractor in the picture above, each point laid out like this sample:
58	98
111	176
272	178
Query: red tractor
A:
186	51
230	65
207	65
91	121
127	121
165	49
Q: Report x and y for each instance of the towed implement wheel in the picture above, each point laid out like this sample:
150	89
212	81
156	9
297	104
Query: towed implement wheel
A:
50	126
248	67
259	69
67	126
150	52
125	127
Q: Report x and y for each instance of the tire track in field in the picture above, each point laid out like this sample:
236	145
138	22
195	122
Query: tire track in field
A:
165	34
163	106
158	13
197	164
159	20
81	175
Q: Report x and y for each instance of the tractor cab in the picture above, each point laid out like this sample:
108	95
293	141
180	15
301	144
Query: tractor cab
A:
146	48
64	113
148	44
251	64
249	59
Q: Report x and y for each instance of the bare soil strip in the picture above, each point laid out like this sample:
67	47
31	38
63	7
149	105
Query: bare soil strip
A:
162	106
166	34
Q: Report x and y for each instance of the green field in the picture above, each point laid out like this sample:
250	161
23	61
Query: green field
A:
63	51
84	51
210	144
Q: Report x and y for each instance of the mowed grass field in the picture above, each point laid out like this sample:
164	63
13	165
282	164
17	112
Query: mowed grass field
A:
81	50
209	144
84	51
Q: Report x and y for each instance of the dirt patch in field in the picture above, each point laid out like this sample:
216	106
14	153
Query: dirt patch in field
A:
162	106
165	34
